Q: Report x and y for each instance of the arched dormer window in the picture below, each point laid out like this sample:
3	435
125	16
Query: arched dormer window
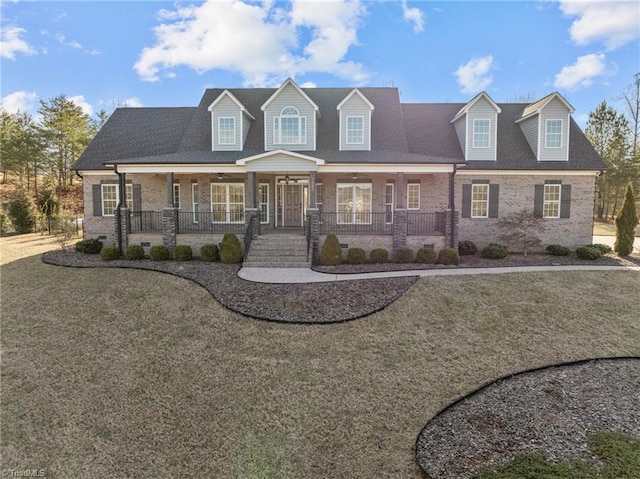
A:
289	128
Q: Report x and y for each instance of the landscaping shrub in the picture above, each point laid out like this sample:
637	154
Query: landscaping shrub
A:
230	249
331	251
109	253
210	252
557	250
404	255
356	256
426	256
449	256
603	248
4	224
379	255
22	212
626	222
588	252
134	252
89	246
467	247
494	251
159	252
183	252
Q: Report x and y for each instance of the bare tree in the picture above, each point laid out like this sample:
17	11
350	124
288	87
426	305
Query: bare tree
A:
521	229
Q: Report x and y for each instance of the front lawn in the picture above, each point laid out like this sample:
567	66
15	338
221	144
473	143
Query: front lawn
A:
116	373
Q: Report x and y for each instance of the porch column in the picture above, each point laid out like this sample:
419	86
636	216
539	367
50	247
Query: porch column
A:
123	218
451	220
252	189
169	218
170	190
400	202
252	222
312	190
313	217
399	229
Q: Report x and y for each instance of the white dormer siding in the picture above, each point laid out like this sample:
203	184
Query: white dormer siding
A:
289	109
477	128
230	123
355	113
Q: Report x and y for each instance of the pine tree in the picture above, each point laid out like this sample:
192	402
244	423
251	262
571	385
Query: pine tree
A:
626	222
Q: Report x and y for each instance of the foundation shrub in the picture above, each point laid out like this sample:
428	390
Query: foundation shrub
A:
404	255
356	256
449	256
230	249
603	248
210	252
183	252
557	250
426	256
467	247
494	251
89	246
159	252
109	253
134	252
379	255
331	252
588	252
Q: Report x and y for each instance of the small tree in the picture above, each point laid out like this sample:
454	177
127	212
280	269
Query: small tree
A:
22	212
66	229
626	223
521	228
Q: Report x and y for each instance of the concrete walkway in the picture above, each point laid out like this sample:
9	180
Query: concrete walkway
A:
306	275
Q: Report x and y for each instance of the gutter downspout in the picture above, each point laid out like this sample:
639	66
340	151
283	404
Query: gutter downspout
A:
82	178
452	206
122	197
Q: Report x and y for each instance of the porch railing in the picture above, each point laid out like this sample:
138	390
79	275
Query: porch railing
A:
206	222
146	222
425	224
375	223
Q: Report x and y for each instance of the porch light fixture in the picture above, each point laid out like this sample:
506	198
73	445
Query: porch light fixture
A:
220	176
354	176
287	179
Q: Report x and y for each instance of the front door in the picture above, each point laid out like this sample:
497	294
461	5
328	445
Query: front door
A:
292	205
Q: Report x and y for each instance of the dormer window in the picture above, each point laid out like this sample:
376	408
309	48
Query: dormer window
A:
226	130
553	134
289	128
355	130
481	130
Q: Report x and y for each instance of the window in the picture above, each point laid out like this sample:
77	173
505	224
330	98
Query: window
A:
355	130
176	195
319	196
226	131
481	130
551	202
480	201
413	196
227	202
553	137
263	196
111	198
195	200
388	203
354	203
289	127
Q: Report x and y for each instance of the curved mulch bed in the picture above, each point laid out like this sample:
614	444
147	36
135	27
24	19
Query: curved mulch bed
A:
317	303
552	409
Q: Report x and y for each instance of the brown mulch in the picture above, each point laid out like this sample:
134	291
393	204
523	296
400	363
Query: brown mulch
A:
553	409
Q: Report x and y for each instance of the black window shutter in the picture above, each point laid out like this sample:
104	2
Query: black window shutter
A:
538	201
565	201
494	194
96	191
137	197
466	201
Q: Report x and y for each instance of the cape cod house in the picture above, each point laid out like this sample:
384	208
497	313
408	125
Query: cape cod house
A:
351	161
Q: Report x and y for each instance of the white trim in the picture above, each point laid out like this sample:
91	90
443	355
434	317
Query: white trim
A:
408	187
177	168
116	200
346	130
539	105
559	202
473	134
233	99
486	215
546	133
465	109
235	133
173	190
359	93
195	205
289	81
529	172
384	168
267	154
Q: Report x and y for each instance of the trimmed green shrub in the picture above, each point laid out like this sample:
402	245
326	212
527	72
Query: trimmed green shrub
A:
134	252
404	255
89	246
210	252
109	253
426	256
588	252
159	252
230	249
603	248
467	247
557	250
449	256
356	256
331	251
626	223
494	251
183	252
379	255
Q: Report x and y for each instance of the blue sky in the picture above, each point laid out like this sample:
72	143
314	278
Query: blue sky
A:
149	53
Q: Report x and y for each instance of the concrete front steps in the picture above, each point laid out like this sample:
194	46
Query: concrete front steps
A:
278	251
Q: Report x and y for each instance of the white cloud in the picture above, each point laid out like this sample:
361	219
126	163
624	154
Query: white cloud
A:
82	103
261	41
582	73
475	76
133	102
11	43
23	101
68	43
414	15
614	22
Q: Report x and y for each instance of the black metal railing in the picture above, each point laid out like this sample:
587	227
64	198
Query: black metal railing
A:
207	222
248	234
146	222
425	224
350	223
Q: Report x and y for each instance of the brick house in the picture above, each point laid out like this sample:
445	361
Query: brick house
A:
351	161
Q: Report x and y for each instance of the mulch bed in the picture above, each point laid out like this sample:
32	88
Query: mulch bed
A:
553	409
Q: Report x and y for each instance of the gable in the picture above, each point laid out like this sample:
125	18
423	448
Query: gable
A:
355	113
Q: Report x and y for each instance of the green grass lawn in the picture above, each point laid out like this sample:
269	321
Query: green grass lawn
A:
126	373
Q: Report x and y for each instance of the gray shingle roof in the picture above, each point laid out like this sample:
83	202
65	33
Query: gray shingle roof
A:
400	133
